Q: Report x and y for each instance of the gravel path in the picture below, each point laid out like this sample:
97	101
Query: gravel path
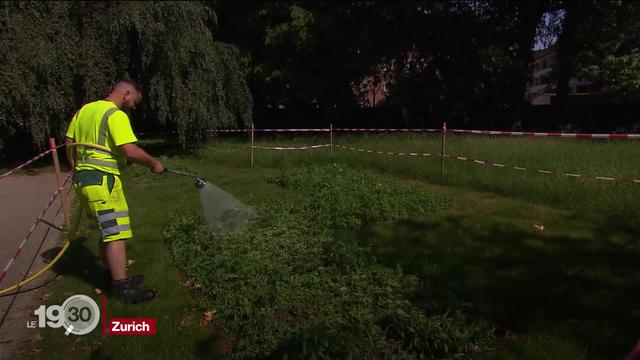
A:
22	199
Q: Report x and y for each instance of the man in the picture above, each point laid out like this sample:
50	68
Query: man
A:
97	178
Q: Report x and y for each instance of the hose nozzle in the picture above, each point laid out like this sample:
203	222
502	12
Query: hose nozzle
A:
199	182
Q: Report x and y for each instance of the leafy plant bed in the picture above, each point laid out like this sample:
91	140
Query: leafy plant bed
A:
289	286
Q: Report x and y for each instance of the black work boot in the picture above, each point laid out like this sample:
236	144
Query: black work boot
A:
135	279
128	292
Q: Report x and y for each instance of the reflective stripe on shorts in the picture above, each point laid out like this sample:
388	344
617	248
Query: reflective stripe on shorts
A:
102	194
115	229
112	216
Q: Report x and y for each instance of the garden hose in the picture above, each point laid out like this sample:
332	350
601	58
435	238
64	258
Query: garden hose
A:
199	183
50	264
75	228
95	146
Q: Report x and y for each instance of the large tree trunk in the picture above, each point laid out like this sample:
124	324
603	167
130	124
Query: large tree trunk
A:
530	14
567	51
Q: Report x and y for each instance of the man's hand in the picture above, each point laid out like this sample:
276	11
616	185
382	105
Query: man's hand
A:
158	168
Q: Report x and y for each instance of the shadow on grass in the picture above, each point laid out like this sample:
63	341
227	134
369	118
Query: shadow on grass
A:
82	263
212	347
522	279
98	354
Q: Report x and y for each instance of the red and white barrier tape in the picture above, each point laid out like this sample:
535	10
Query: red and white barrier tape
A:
291	148
386	130
25	164
271	130
329	129
548	134
229	130
39	156
463	131
549	172
294	130
491	163
386	152
175	132
33	227
229	150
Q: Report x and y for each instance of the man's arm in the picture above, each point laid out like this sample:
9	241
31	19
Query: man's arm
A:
135	154
69	139
71	153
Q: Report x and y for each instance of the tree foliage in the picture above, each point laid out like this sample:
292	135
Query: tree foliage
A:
446	60
446	57
58	55
596	40
479	55
305	54
611	44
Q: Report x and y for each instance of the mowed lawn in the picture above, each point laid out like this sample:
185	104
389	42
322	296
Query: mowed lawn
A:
549	262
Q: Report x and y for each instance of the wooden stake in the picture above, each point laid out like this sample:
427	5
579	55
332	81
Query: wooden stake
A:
56	164
252	130
444	145
331	138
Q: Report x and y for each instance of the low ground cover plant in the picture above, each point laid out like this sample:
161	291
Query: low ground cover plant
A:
288	286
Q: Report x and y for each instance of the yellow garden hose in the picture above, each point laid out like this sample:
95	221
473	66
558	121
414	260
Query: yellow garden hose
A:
75	227
49	265
95	146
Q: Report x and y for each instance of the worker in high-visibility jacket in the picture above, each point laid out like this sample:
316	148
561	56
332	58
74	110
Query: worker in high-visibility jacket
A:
97	183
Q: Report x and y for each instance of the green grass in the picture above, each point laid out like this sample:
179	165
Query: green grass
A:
571	284
568	291
291	285
81	272
589	157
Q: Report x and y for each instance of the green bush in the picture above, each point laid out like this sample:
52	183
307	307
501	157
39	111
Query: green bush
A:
337	197
58	55
287	287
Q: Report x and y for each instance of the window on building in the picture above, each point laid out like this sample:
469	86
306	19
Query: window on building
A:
544	65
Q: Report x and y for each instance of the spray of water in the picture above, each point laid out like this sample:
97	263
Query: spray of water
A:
222	212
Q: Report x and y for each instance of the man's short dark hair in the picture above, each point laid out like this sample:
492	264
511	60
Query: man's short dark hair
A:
133	84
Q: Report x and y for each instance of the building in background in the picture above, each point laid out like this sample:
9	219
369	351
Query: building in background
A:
542	91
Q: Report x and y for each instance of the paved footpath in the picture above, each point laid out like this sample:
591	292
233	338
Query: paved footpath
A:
22	199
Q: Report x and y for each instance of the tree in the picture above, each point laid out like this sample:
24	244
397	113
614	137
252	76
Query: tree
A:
306	54
599	40
612	52
57	55
479	57
450	61
512	29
